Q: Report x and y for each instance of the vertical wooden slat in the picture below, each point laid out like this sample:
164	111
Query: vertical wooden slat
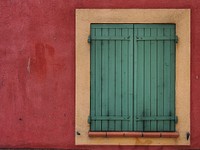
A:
125	80
118	125
140	80
167	48
147	67
105	79
172	81
98	79
130	79
93	80
135	79
153	78
160	79
111	82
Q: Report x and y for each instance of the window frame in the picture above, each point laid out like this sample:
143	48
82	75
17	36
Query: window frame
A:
98	121
84	17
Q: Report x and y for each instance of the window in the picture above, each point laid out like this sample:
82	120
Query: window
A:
132	77
180	18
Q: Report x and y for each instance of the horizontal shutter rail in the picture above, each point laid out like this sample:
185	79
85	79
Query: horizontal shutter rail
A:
124	38
109	118
173	118
158	38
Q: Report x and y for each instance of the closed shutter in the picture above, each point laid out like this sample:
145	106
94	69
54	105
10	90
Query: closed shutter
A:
132	77
111	77
154	76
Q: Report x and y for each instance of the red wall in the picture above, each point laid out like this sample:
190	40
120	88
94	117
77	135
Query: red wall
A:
37	70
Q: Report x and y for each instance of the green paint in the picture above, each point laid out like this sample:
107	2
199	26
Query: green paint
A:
160	79
124	73
118	124
104	78
98	78
132	77
147	84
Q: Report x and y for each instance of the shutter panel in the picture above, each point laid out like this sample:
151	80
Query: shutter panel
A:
111	77
154	77
132	77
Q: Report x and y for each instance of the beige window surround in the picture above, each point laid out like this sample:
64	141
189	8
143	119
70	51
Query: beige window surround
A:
84	17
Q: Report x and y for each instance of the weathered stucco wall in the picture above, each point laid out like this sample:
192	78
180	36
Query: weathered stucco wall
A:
37	70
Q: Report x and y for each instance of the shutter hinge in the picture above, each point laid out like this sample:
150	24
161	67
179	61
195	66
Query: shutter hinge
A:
176	39
89	39
89	121
176	119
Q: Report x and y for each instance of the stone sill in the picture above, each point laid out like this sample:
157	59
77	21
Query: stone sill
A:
135	134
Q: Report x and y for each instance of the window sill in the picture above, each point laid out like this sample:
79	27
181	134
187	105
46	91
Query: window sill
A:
135	134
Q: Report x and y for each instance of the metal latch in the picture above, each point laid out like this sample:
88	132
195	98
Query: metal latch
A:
89	39
89	121
176	39
176	119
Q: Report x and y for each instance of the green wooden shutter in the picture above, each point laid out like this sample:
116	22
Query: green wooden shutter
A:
111	77
132	77
154	76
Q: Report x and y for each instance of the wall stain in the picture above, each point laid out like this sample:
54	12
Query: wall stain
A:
38	64
50	49
143	142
